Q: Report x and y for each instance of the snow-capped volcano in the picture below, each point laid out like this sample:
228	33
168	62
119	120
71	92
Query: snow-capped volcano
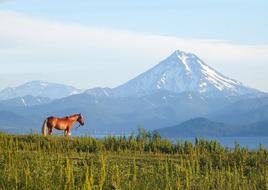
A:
181	72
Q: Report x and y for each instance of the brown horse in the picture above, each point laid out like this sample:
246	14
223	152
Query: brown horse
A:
65	123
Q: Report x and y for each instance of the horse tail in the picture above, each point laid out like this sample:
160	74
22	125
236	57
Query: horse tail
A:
44	130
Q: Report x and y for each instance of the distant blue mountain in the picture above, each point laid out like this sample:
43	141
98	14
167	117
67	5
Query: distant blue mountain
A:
39	88
202	127
14	123
25	101
243	111
198	127
180	88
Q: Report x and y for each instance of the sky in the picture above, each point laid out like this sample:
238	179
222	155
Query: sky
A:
108	42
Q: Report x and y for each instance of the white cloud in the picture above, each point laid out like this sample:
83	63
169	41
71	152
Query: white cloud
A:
34	44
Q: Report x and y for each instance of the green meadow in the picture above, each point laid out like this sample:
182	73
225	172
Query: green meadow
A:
142	161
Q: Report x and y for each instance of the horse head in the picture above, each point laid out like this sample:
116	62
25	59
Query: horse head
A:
81	119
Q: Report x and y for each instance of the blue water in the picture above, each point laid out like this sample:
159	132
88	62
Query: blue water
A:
249	142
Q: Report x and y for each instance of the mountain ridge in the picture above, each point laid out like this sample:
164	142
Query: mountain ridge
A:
181	72
25	101
39	88
203	127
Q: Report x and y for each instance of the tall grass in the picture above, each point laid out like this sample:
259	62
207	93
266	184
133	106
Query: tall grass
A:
144	161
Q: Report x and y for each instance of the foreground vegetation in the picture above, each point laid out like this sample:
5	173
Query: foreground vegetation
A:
144	161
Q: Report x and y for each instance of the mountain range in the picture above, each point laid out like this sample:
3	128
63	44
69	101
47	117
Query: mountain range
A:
39	88
202	127
181	91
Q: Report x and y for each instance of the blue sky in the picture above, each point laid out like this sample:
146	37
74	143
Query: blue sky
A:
105	43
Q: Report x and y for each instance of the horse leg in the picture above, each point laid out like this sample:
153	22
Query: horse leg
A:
50	131
69	133
65	132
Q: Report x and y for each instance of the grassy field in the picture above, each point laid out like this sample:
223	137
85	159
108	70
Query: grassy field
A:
144	161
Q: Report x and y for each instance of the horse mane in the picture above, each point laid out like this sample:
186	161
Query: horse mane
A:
70	116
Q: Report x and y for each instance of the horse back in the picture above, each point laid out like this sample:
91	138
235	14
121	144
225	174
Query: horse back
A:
52	121
58	122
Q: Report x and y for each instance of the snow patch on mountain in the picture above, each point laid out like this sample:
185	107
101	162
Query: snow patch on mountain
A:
183	59
103	92
39	88
181	72
23	101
